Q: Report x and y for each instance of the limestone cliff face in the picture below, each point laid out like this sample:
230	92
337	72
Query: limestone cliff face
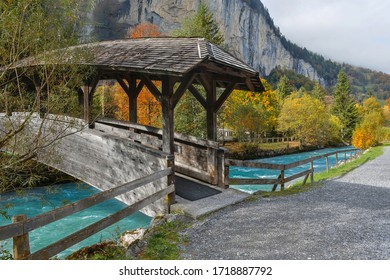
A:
249	35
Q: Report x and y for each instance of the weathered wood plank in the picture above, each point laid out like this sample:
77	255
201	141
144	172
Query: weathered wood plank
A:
198	96
298	175
158	132
234	181
80	235
251	164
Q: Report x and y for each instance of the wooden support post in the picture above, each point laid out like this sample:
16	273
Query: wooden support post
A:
88	90
312	172
226	176
21	243
168	129
282	180
87	105
327	163
133	97
212	112
167	116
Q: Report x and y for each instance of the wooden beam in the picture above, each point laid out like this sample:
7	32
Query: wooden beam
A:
153	89
211	111
168	132
185	84
88	90
198	96
225	95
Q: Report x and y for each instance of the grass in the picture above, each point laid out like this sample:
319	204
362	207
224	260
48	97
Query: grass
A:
164	242
333	173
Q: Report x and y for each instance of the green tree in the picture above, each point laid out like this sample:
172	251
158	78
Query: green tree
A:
318	92
344	106
190	116
201	24
284	88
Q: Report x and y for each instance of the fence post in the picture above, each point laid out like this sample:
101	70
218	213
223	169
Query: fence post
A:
337	158
312	172
21	243
282	179
171	181
327	164
222	178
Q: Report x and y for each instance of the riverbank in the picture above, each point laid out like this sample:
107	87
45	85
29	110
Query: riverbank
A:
29	174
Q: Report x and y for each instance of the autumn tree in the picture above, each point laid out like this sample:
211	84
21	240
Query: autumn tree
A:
344	106
386	111
369	132
307	119
144	30
245	113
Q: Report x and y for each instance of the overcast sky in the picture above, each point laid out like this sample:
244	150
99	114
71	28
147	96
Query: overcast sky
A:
352	31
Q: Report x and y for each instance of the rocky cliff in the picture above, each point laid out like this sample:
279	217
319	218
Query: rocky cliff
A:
247	26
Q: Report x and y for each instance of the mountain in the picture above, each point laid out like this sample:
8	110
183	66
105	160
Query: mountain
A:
250	34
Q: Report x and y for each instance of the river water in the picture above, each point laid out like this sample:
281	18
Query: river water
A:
40	200
254	173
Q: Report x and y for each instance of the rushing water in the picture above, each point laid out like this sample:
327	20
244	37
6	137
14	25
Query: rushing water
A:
255	173
40	200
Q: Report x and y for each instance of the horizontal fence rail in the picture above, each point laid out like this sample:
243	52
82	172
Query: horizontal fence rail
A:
22	228
282	179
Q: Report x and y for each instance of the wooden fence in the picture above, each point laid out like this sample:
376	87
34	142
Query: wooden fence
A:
21	226
198	158
282	179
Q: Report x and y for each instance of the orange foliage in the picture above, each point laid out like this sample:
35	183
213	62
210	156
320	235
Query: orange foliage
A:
387	102
144	30
121	100
362	138
149	109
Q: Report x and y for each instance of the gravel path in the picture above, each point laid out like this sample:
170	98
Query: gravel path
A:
347	218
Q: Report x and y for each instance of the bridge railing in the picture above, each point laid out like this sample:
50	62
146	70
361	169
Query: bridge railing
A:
194	157
282	179
21	226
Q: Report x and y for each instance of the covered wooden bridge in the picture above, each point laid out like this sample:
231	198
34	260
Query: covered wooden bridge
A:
113	152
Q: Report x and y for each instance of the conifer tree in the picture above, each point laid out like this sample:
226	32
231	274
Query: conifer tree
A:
201	24
344	106
318	92
284	88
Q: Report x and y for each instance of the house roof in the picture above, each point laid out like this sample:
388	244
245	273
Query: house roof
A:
160	56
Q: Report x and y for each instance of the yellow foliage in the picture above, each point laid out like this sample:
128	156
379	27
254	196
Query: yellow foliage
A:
369	132
362	138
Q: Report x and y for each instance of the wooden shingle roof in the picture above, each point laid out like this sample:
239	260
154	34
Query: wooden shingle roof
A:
162	56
